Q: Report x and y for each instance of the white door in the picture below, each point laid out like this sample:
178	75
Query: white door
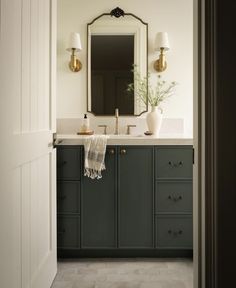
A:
27	159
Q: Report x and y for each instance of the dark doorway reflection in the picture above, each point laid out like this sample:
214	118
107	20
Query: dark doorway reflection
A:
112	57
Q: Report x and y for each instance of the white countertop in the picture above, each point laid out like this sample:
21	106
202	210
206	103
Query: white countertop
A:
73	139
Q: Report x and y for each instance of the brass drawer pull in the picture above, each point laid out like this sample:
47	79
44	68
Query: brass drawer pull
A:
175	233
123	151
175	198
176	164
111	151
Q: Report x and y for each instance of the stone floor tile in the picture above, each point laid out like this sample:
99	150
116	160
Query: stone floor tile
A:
124	273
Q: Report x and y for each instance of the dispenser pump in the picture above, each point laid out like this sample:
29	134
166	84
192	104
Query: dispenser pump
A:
85	124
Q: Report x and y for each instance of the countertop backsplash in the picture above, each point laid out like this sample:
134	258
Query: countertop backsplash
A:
170	126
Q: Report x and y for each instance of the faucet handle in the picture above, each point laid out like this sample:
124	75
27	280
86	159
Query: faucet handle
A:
105	128
116	112
128	129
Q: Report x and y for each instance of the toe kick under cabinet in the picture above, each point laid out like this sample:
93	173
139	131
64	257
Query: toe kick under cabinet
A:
142	205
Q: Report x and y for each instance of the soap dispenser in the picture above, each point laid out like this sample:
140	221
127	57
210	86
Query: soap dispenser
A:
85	124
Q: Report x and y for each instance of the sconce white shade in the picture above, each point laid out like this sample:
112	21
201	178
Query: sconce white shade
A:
74	42
162	41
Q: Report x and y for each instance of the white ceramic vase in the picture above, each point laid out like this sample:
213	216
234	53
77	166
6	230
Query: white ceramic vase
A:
154	120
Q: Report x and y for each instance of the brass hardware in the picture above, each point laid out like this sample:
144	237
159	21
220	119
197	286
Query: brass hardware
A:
162	45
105	128
175	233
117	122
123	151
175	165
75	65
111	151
175	198
128	129
160	64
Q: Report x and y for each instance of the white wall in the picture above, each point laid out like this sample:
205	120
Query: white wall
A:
172	16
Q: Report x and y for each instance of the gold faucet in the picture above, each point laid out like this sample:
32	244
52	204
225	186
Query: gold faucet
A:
117	122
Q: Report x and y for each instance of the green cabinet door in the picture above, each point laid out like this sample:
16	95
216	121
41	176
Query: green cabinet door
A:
174	162
135	197
98	207
68	163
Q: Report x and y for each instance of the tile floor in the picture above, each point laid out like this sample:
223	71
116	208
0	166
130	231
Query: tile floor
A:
124	273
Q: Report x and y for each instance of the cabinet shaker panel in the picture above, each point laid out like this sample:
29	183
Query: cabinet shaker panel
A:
68	163
68	197
173	162
135	204
173	197
68	232
99	206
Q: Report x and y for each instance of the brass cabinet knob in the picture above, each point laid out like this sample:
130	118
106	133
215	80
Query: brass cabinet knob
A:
122	151
111	151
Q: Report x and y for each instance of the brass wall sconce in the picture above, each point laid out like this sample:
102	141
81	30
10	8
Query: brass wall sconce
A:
74	46
162	45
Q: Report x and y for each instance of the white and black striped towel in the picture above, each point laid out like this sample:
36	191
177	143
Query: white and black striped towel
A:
94	156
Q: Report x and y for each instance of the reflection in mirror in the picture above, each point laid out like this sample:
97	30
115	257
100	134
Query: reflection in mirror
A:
112	57
114	46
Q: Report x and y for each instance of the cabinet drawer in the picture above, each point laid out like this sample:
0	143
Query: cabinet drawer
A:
68	163
68	197
68	232
173	197
173	162
174	232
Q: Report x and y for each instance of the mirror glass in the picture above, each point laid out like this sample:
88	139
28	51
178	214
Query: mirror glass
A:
115	44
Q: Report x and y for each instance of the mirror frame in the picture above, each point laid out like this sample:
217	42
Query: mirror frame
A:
117	12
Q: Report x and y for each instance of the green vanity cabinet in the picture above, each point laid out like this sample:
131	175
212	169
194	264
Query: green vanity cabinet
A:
142	205
99	207
135	197
68	232
174	231
68	163
173	197
68	197
117	210
173	162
